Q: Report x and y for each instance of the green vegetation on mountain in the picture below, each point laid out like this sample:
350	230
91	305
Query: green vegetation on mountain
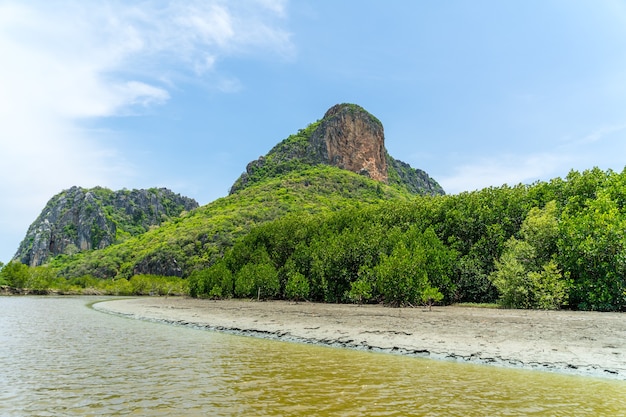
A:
547	245
196	239
289	155
301	174
81	219
416	181
317	144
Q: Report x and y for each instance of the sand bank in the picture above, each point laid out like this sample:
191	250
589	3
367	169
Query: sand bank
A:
586	343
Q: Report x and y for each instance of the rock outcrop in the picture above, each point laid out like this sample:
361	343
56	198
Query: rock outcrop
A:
347	137
78	219
350	138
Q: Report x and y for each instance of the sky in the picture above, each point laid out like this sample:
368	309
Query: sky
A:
183	94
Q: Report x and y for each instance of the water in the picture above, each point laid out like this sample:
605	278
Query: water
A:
60	358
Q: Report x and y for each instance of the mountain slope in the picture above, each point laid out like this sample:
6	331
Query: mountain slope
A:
196	239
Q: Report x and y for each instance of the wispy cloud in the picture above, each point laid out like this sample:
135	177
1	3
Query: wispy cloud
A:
66	62
604	147
503	169
602	133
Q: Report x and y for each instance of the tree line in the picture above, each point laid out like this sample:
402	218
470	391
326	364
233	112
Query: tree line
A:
547	245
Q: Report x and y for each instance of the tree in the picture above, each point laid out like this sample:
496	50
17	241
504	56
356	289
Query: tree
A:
2	280
438	260
548	287
511	275
400	277
527	275
257	280
360	290
430	296
541	229
41	278
214	282
592	249
15	274
297	287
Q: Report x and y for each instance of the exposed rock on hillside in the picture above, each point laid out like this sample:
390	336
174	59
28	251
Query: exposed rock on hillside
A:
414	180
350	138
80	219
347	137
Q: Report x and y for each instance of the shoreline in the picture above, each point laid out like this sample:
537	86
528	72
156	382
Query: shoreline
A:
578	343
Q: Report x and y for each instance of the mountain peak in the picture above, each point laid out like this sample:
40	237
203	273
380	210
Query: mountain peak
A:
347	137
350	138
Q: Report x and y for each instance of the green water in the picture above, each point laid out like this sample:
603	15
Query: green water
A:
59	357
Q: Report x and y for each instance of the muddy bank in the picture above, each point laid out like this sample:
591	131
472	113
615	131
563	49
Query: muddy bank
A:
585	343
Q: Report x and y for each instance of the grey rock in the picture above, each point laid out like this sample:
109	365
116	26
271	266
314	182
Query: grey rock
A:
79	219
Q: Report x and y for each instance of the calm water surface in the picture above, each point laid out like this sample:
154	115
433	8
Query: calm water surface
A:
58	357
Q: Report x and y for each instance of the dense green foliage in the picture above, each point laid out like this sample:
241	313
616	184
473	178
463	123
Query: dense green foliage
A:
356	254
527	274
198	238
43	280
546	245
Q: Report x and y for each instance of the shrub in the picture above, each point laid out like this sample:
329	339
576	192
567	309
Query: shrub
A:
549	288
521	285
400	277
297	287
360	290
214	282
257	280
15	274
430	296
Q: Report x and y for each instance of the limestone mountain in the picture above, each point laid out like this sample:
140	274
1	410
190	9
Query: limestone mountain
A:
347	137
81	219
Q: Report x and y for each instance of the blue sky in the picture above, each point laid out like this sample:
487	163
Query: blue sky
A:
183	94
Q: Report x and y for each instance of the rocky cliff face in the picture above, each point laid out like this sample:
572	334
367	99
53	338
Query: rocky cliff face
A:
350	138
347	137
80	219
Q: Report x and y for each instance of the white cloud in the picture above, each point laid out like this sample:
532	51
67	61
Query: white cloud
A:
138	93
67	62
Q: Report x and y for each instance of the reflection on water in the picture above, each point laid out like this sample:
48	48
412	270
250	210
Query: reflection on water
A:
58	357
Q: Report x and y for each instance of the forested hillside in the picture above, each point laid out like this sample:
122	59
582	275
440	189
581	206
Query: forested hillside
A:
199	237
546	245
312	171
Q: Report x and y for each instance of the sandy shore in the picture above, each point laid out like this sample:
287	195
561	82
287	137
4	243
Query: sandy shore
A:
564	341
